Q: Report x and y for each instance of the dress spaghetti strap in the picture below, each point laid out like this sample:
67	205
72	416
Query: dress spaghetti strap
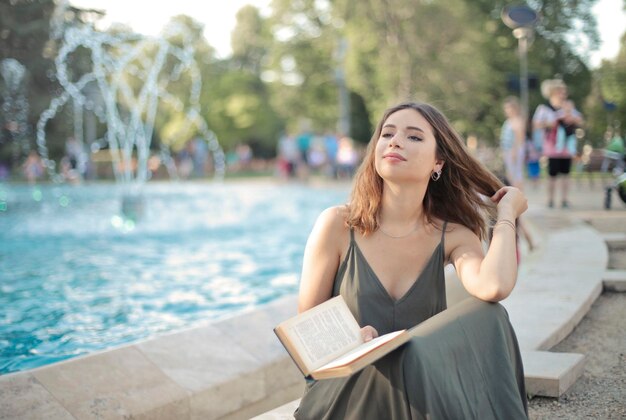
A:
443	234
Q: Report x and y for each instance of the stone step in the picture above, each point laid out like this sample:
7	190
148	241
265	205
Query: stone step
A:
614	239
546	374
283	412
549	374
614	280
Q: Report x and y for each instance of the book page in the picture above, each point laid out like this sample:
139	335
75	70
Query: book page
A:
324	332
361	350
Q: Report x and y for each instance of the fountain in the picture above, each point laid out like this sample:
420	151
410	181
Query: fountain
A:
15	107
201	253
128	83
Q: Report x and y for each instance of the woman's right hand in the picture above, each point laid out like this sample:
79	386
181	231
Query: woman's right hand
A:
368	333
511	202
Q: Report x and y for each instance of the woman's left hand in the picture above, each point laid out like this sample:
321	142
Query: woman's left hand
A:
511	202
368	333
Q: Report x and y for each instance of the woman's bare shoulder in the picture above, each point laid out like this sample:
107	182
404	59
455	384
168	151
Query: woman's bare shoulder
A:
458	229
333	220
458	234
331	231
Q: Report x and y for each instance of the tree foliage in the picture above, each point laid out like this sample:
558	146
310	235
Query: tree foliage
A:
27	36
283	73
458	54
606	105
251	40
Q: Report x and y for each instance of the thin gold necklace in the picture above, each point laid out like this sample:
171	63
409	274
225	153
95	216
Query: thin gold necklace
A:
394	236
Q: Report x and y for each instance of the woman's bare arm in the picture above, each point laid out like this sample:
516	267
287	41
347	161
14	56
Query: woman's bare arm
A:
321	258
519	131
491	276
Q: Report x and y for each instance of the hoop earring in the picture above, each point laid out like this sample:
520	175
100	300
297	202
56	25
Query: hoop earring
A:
435	175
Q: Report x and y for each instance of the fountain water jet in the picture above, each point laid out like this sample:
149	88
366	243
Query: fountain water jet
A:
15	106
129	113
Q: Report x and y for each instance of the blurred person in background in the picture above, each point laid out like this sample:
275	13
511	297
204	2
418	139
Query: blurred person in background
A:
547	120
347	158
512	141
512	146
33	168
331	145
288	156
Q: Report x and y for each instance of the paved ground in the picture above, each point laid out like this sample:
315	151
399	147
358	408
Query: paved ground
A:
601	392
586	193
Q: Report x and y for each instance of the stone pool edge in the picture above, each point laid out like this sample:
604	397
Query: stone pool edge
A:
224	370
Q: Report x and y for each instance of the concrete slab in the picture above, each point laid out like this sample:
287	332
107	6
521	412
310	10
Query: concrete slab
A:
114	384
291	394
614	238
23	397
228	397
283	412
207	358
219	375
557	285
550	374
614	280
605	221
253	331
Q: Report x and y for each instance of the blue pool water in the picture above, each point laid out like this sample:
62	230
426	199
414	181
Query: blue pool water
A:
76	278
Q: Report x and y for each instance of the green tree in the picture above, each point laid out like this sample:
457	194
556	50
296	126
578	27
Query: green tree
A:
399	50
552	53
360	125
238	111
27	36
606	105
302	69
173	126
250	40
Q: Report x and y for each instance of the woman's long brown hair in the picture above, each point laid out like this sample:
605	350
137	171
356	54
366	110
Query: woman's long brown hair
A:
458	196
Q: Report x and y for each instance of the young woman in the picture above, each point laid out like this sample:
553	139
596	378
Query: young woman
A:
419	202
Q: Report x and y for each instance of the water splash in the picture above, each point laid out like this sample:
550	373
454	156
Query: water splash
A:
15	106
128	112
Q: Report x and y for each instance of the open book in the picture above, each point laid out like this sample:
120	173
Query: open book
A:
325	341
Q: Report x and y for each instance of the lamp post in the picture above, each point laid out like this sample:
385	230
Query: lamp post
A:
521	19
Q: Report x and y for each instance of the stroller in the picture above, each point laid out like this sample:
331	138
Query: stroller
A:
615	158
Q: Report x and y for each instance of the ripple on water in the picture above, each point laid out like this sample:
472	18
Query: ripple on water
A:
72	283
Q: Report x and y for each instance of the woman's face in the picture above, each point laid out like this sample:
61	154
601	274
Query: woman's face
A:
558	94
510	110
406	149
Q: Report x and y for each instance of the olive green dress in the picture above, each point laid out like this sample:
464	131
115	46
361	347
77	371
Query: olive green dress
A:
462	363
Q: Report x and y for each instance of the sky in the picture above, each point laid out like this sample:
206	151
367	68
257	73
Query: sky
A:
149	17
